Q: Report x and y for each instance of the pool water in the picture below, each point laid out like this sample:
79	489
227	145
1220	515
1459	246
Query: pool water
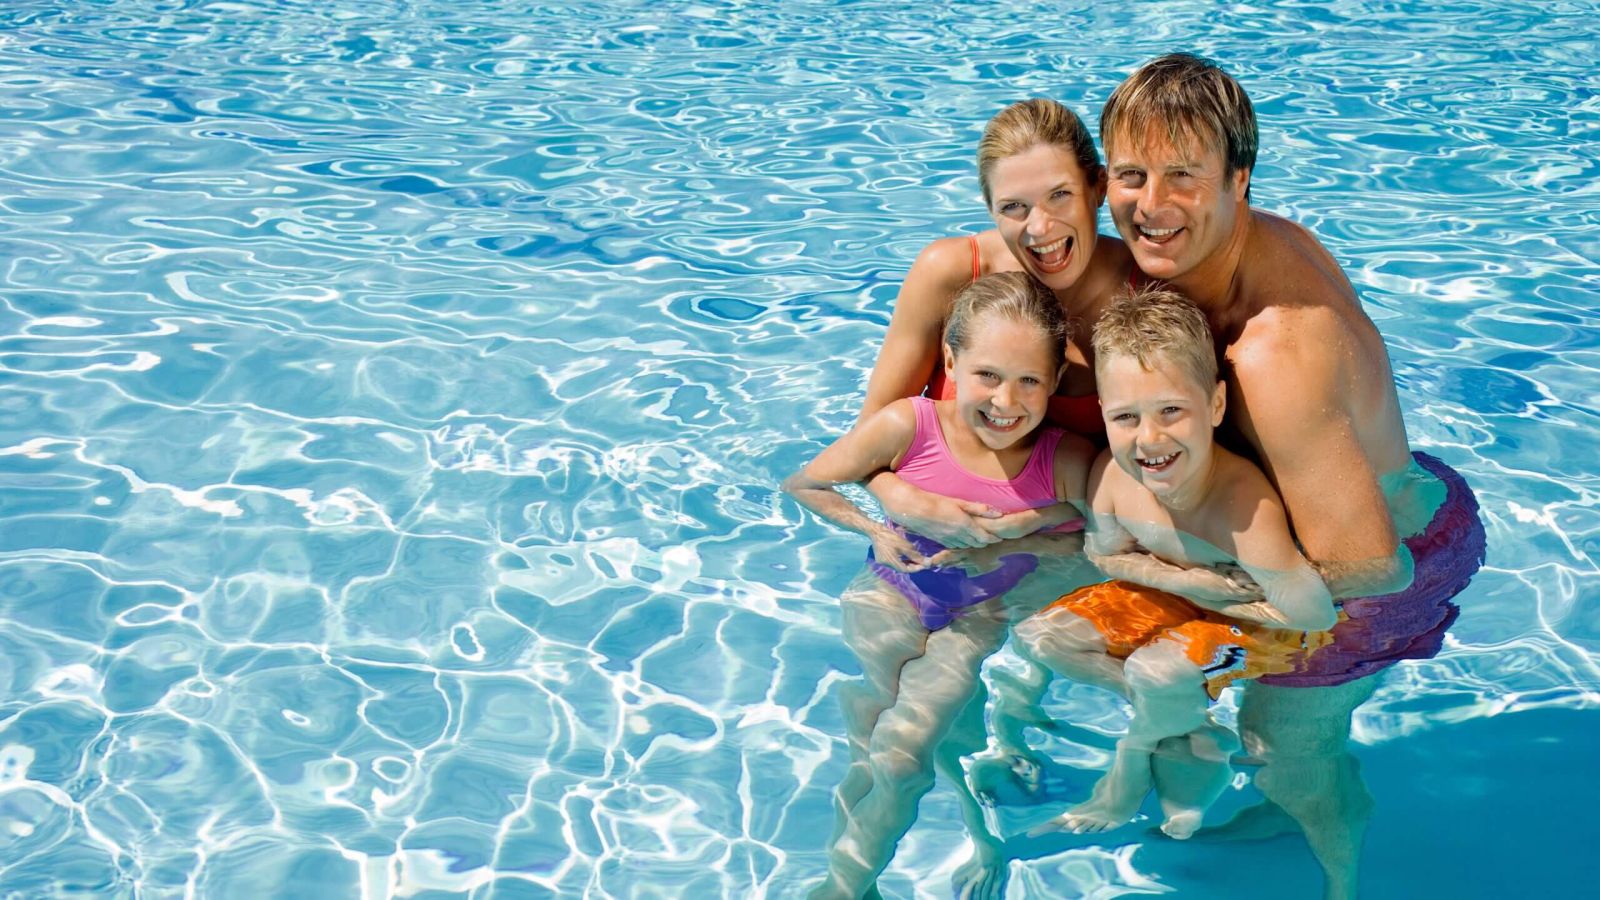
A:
393	396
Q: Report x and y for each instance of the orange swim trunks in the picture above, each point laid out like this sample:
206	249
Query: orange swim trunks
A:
1131	615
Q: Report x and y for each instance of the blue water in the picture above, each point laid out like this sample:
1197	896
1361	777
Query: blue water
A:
392	396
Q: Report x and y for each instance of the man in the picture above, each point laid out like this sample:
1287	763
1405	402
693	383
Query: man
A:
1312	399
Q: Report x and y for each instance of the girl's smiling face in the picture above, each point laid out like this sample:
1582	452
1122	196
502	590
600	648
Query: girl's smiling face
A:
1004	378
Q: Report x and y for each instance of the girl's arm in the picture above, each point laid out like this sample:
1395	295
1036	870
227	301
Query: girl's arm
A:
876	443
911	350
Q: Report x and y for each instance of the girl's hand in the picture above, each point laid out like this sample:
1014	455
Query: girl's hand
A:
897	552
975	560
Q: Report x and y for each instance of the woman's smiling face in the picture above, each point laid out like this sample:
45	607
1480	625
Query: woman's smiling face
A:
1047	210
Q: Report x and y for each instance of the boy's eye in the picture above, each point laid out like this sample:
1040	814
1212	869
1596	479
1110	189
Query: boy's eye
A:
1171	410
1030	381
1122	417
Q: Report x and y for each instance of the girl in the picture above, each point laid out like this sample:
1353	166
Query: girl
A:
934	614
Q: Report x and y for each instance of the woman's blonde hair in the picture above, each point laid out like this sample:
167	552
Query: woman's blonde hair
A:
1027	124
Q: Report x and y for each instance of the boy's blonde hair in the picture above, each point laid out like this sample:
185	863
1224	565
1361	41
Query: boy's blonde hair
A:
1157	323
1015	296
1027	124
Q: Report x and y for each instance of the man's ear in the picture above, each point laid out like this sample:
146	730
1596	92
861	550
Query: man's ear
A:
1219	403
1241	185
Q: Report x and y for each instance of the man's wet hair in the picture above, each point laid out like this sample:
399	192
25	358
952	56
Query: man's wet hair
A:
1192	99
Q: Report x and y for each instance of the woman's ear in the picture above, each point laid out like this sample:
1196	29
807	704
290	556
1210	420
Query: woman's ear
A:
1219	403
1100	184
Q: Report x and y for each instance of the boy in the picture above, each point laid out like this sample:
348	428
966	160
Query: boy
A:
1174	514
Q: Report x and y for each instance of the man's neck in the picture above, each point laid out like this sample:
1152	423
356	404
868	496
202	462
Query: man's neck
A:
1210	284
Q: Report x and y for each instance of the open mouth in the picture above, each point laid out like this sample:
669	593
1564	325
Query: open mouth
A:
1156	235
999	424
1053	257
1158	463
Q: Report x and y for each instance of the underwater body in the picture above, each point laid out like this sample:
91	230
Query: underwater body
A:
395	395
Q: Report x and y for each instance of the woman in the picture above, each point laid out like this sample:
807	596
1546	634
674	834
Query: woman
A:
919	706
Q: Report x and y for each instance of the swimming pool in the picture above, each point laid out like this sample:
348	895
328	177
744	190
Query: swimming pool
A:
394	395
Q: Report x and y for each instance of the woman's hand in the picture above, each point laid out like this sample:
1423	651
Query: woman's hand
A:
951	522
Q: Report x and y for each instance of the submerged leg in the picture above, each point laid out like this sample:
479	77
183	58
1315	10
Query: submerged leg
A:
884	632
1308	775
934	689
1168	696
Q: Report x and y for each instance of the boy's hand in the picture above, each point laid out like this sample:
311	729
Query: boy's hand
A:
896	551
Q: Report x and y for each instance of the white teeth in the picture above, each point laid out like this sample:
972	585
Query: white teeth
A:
1001	423
1157	461
1048	248
1157	232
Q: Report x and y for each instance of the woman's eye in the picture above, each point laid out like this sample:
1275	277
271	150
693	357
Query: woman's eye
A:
1009	208
1061	194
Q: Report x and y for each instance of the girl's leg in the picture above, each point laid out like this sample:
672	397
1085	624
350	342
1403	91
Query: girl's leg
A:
934	689
883	631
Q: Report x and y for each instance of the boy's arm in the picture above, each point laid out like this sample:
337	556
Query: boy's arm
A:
1115	551
875	444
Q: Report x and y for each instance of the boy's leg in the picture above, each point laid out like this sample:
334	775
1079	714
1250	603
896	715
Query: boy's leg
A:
1072	646
1168	694
934	689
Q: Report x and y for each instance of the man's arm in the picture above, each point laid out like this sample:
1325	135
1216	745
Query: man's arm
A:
1290	405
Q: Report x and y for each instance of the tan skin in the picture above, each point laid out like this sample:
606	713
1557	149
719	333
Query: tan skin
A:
1037	198
1312	400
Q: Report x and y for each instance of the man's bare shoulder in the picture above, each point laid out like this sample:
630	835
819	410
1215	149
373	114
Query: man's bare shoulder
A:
1285	265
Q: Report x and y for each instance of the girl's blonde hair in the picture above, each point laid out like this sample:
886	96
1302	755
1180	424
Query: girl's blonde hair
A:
1015	296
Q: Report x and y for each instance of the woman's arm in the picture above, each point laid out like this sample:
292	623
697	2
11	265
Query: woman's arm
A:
876	443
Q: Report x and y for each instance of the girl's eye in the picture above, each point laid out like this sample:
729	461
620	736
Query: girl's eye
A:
987	375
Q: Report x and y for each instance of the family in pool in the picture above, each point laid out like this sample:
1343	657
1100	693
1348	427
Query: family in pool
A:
1163	464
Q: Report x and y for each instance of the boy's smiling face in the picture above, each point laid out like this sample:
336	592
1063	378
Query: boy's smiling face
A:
1159	423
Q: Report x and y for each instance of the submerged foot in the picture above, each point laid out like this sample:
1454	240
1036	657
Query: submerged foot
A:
1012	779
982	877
1261	822
1113	804
1191	777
